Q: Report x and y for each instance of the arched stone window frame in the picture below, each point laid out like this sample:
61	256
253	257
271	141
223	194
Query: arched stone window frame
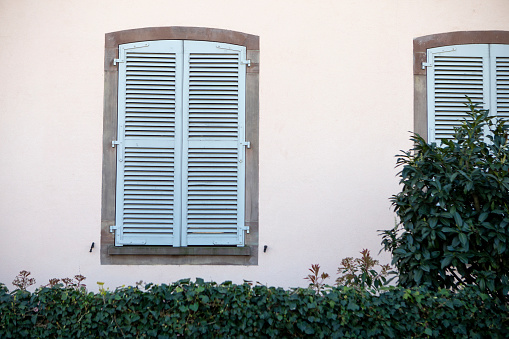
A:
420	47
247	255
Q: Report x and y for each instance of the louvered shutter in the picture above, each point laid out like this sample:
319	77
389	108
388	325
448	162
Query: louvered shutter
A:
455	71
213	144
499	63
148	150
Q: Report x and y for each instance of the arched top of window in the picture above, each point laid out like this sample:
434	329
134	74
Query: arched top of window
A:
423	43
251	42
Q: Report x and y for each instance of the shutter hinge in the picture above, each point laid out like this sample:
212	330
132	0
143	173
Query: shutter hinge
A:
113	228
244	228
246	143
116	142
122	58
429	64
242	61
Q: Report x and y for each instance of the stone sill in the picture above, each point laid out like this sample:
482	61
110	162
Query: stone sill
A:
178	251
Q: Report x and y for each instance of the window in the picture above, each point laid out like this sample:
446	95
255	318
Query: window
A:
449	66
183	187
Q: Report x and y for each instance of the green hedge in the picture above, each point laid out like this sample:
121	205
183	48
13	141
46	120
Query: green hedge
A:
199	309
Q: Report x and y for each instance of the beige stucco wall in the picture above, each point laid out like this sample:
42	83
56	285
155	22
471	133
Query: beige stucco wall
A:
336	96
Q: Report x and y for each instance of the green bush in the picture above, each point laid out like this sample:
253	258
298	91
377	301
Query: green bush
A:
453	210
210	310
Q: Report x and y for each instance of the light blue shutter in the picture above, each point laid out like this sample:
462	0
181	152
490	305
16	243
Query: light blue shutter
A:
455	71
213	144
499	62
148	146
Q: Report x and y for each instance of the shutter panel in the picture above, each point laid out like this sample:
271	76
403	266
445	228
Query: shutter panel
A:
213	144
149	143
455	71
499	56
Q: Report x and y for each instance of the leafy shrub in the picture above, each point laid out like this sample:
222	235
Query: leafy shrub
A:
22	280
453	210
317	279
210	310
364	272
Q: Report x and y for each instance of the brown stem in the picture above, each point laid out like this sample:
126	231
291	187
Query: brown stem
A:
477	205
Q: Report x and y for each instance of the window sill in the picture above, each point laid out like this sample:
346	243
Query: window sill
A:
179	251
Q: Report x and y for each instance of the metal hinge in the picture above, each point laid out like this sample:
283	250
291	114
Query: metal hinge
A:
113	228
244	228
122	57
242	61
429	64
241	151
116	142
426	64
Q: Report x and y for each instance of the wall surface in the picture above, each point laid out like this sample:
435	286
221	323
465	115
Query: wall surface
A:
336	105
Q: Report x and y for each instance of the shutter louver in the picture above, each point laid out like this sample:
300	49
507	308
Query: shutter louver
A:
213	173
500	80
148	156
455	71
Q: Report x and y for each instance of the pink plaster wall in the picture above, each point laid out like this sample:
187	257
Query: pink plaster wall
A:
336	96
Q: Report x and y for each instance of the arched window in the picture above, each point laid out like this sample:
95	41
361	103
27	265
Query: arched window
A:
180	170
449	66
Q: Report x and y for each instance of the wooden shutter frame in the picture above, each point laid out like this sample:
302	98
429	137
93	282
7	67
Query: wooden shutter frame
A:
443	67
247	255
198	228
499	77
139	132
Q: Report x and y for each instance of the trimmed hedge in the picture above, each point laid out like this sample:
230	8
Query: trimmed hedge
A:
200	309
